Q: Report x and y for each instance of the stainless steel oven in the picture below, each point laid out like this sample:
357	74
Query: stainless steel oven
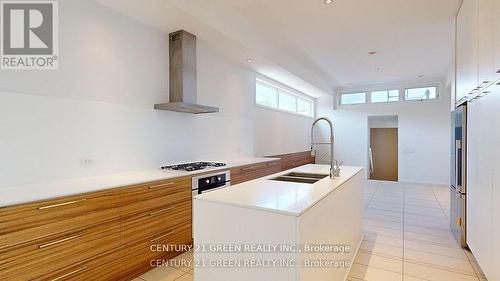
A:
210	182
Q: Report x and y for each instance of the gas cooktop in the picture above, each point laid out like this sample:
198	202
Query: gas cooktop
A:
193	166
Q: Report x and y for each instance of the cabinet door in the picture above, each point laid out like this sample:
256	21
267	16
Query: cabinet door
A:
485	42
467	48
494	273
496	37
480	237
473	196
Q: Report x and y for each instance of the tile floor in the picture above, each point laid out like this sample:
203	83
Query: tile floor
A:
407	239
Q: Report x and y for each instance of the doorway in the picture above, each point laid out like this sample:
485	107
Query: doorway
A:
383	148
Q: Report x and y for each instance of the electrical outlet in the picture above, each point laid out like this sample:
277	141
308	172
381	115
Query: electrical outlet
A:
86	163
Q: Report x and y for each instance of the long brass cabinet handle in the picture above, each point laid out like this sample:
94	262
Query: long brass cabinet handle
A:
69	274
161	185
59	241
272	164
162	211
62	204
160	237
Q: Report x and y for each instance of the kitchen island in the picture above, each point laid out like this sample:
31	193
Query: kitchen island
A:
273	230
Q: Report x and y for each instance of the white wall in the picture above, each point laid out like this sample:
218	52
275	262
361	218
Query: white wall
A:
424	136
279	133
98	105
383	121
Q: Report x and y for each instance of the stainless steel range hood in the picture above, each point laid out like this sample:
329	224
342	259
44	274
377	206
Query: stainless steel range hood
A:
183	85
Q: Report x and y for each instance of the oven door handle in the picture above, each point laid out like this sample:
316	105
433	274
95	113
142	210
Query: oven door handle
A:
197	191
214	189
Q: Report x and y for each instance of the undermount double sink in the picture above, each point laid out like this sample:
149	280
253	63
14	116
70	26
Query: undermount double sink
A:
300	177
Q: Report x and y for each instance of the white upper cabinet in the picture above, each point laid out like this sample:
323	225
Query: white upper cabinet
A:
496	37
486	42
467	48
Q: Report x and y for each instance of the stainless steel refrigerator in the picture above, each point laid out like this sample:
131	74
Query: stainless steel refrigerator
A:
458	190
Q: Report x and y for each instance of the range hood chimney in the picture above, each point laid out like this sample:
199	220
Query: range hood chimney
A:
183	86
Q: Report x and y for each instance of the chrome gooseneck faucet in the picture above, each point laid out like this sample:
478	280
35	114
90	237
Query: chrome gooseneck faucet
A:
334	166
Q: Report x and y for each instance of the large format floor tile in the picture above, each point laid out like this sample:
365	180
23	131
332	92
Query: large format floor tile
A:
163	273
407	237
368	273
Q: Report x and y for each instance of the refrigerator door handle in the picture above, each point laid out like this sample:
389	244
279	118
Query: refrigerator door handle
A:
458	167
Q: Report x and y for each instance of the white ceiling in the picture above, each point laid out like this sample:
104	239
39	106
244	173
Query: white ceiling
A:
325	45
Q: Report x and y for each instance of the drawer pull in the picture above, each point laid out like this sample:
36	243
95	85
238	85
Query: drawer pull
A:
162	211
69	274
272	164
160	237
59	241
61	204
161	185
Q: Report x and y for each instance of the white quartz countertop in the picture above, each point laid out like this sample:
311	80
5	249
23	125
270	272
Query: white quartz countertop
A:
283	197
41	191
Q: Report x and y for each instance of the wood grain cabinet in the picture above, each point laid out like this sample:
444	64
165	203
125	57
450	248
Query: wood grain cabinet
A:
104	235
296	159
145	197
106	266
156	222
26	223
285	162
124	262
254	171
47	255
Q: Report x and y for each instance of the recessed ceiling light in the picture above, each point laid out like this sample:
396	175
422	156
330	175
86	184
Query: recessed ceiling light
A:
372	52
420	76
249	60
328	1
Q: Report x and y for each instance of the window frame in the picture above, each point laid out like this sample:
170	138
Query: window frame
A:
351	93
385	90
267	85
421	87
279	88
402	94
